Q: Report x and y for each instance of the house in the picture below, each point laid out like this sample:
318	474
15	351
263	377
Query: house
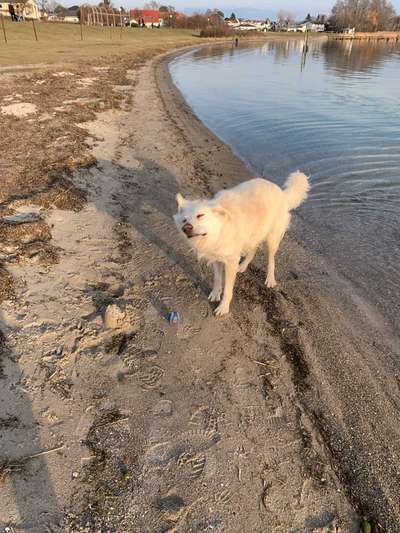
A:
28	9
148	17
246	26
311	26
249	25
71	19
71	15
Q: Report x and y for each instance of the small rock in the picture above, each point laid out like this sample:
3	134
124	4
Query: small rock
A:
114	317
127	318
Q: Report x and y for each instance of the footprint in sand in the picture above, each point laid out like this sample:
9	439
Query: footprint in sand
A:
150	378
189	442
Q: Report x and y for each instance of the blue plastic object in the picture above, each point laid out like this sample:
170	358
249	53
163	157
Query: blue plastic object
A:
173	317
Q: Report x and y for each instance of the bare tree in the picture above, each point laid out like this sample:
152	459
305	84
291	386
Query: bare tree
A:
364	15
285	18
152	4
281	17
381	15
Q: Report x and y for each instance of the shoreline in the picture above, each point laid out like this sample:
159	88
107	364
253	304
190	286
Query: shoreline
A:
357	313
140	425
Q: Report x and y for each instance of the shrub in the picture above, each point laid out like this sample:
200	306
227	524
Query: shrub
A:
216	31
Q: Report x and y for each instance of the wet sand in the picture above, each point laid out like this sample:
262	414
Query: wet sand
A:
345	361
280	417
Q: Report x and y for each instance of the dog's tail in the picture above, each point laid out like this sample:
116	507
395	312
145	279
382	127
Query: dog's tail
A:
296	189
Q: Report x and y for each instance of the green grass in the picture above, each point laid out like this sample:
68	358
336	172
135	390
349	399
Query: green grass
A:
61	43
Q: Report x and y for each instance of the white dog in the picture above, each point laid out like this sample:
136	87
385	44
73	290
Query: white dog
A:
234	223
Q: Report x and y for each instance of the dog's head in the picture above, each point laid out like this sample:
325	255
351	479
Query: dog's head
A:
200	221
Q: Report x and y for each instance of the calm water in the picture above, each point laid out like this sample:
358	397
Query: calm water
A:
335	116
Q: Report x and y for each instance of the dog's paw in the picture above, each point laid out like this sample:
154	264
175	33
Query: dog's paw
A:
270	283
215	295
222	309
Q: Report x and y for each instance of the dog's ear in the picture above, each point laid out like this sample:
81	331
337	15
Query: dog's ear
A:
180	200
221	211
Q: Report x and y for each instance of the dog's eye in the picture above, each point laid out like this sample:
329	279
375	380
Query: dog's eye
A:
201	215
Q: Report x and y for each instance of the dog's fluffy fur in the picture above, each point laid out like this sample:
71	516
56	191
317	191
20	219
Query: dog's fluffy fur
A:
234	223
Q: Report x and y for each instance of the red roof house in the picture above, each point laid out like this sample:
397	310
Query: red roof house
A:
149	16
152	16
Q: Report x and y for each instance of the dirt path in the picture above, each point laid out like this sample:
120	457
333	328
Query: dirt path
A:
115	420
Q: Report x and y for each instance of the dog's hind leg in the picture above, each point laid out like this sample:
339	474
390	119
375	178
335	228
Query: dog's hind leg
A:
247	260
230	276
273	242
215	294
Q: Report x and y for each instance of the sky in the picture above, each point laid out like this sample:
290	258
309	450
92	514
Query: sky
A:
261	8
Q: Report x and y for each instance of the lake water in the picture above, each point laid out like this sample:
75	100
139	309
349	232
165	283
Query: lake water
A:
334	114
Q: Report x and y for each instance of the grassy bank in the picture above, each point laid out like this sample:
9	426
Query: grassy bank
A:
61	43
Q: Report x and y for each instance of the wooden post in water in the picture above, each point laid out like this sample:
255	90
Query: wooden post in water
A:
304	52
4	29
34	30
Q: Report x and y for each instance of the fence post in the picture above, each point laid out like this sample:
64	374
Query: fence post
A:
4	28
120	33
80	21
34	29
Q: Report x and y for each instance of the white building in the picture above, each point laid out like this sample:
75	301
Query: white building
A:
27	9
249	25
311	26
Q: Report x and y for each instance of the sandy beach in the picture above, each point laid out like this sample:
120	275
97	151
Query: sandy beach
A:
279	418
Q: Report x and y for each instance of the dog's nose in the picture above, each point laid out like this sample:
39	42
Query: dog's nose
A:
187	229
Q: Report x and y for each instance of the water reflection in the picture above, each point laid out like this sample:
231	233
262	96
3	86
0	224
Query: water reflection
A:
342	58
346	58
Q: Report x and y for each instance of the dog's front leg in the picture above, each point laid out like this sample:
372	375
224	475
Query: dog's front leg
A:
215	294
247	260
231	269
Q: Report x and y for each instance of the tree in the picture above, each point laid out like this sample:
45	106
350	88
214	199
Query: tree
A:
364	15
308	18
60	10
152	4
48	5
232	17
381	15
284	18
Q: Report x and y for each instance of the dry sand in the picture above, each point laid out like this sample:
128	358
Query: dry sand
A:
113	420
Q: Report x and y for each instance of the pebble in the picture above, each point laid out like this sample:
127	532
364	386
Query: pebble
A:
114	317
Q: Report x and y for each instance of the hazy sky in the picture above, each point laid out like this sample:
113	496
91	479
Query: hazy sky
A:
261	8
